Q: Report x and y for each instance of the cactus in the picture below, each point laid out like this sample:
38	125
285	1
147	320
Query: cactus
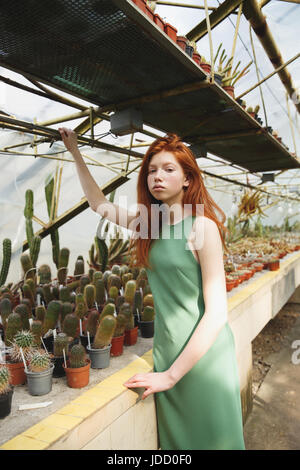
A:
121	324
116	270
119	301
28	293
40	313
77	356
148	300
126	277
105	332
55	292
21	309
71	325
5	310
100	291
130	289
80	310
67	308
106	275
48	296
124	269
52	314
5	260
5	378
73	285
137	302
28	210
102	252
147	290
27	267
49	189
44	273
79	267
148	313
135	272
256	109
84	281
63	261
114	280
97	275
89	295
36	329
31	283
61	342
13	325
39	361
23	339
35	249
113	292
64	294
91	274
92	322
108	309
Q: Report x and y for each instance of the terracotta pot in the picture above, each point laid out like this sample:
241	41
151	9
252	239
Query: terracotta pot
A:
79	377
205	67
230	90
17	372
273	265
131	336
141	4
159	21
196	57
117	343
149	13
171	31
181	41
252	114
229	286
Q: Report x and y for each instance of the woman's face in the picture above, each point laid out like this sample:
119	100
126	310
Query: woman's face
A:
166	173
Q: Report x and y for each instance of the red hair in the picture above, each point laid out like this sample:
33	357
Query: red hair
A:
194	194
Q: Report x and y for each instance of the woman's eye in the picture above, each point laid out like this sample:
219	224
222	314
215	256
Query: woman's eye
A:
169	169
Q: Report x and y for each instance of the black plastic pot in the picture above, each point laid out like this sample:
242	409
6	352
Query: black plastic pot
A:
147	329
48	342
189	50
58	370
5	403
218	79
84	340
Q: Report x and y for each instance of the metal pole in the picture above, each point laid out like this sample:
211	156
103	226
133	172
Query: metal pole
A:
176	4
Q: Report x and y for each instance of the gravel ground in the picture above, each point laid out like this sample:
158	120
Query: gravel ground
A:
270	340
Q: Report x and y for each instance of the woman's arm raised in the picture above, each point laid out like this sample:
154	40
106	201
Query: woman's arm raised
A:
96	198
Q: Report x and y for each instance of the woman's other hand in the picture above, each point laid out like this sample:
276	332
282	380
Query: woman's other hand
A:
69	138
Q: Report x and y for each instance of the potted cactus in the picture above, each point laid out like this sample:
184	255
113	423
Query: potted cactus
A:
25	340
100	351
39	373
6	391
61	344
251	111
117	340
182	42
78	367
147	322
131	331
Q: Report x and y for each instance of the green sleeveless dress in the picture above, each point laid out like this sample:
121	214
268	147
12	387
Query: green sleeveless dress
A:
203	409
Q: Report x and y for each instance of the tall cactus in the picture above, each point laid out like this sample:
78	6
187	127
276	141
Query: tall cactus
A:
49	188
6	260
34	241
105	332
63	261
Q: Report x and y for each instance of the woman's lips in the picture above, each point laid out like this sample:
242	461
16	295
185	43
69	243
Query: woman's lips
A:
158	188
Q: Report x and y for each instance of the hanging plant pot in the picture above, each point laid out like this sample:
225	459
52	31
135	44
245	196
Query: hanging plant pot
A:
84	340
78	377
99	357
205	67
17	373
40	383
5	403
147	329
182	41
117	344
58	370
196	57
149	13
131	336
229	89
171	31
159	21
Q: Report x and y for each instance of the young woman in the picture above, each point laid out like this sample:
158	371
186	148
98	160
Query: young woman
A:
195	378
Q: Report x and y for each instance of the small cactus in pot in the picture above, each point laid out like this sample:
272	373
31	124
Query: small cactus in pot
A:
23	339
77	356
6	391
39	361
5	386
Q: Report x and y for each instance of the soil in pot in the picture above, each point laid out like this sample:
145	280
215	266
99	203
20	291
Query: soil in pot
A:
5	403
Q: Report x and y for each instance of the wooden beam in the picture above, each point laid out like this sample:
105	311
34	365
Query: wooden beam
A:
185	5
224	10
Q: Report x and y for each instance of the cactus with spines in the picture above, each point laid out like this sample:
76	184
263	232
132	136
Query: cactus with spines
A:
73	297
84	281
36	329
64	294
44	272
5	310
100	292
49	190
92	322
91	274
55	292
137	302
114	280
124	269
28	269
13	325
5	378
116	269
113	292
89	295
135	272
119	301
141	282
52	314
148	313
121	324
147	290
67	308
73	285
35	249
40	313
21	309
130	289
102	254
61	342
23	339
148	300
31	283
80	310
39	361
28	293
108	309
77	356
129	318
71	325
105	332
109	300
47	292
97	275
106	275
79	267
63	261
6	244
126	277
81	300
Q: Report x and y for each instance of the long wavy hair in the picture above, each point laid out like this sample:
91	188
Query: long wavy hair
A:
194	194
